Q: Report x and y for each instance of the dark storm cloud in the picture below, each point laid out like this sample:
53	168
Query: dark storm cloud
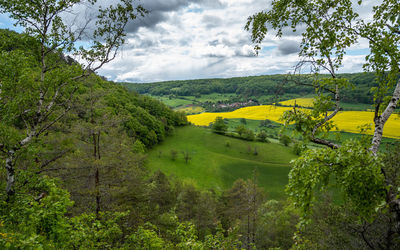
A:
158	10
287	47
148	21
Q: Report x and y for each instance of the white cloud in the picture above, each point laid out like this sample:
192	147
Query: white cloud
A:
189	39
202	40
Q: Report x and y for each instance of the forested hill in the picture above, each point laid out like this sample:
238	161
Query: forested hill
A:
143	118
255	86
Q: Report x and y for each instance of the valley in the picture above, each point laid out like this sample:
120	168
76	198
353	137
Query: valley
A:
217	161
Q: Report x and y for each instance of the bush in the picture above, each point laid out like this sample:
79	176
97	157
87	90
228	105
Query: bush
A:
174	153
219	126
299	147
241	129
139	147
248	135
285	140
262	136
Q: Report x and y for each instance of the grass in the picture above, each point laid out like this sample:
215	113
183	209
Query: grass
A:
212	97
274	128
214	165
356	106
173	102
181	101
190	110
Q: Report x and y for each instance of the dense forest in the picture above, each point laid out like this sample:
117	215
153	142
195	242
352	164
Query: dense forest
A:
253	87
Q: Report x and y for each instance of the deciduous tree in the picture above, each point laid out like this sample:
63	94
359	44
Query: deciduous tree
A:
38	86
330	29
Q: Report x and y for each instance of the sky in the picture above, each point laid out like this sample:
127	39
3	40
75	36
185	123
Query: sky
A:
193	39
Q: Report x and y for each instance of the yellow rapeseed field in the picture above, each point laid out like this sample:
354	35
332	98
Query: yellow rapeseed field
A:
262	112
302	102
348	121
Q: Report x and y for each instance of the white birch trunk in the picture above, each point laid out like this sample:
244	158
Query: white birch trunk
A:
382	119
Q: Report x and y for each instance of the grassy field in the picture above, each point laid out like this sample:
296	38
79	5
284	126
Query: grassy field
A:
173	102
274	129
215	165
181	101
189	110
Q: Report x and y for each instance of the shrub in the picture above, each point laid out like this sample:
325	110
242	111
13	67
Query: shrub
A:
262	136
285	140
248	135
219	126
299	147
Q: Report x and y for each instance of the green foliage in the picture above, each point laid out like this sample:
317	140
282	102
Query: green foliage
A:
299	147
38	81
248	135
89	231
162	194
146	239
261	88
245	133
354	169
230	163
37	219
187	236
220	241
262	136
219	126
138	147
174	154
276	225
240	130
342	229
285	140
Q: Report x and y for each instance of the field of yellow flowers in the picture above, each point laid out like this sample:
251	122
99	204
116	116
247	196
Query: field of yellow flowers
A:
301	102
349	121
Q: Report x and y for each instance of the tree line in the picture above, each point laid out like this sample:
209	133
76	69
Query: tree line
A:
253	87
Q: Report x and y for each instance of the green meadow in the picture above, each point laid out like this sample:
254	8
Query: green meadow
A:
216	161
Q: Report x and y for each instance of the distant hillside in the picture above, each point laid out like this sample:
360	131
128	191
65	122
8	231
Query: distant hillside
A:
254	87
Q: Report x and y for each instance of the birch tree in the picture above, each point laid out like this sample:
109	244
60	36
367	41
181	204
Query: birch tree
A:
37	89
329	29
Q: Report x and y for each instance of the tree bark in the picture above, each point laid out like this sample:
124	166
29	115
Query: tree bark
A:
382	119
96	155
10	173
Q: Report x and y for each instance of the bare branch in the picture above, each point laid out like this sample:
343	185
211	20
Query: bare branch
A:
55	158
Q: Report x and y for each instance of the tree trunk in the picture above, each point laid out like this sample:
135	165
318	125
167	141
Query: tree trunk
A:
10	173
96	155
382	119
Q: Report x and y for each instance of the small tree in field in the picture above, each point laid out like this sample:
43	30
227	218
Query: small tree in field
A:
37	86
262	136
241	129
186	156
174	153
219	126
